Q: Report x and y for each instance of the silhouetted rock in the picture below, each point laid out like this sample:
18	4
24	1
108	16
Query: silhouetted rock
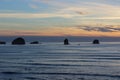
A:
96	41
35	42
18	41
66	42
2	42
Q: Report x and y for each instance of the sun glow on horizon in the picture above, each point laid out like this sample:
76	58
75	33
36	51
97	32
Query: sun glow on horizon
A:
66	31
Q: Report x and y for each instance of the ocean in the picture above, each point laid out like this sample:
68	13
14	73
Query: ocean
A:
55	61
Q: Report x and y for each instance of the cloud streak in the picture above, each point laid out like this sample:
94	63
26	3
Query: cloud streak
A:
107	28
33	6
65	9
36	15
96	11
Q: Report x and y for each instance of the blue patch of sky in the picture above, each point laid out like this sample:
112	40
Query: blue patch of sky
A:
14	5
24	6
18	6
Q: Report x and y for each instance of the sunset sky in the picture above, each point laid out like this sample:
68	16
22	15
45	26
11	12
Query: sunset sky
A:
60	18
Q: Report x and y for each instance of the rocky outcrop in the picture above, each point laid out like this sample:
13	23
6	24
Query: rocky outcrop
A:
96	41
66	42
2	42
35	42
18	41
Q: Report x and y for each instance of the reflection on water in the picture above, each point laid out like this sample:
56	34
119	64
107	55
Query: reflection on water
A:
55	61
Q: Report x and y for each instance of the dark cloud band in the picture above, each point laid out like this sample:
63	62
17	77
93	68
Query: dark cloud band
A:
100	28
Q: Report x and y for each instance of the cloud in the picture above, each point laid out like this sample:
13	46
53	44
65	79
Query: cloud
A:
109	18
36	15
103	10
25	33
33	6
92	11
94	8
107	28
17	32
73	10
81	13
64	13
50	15
68	9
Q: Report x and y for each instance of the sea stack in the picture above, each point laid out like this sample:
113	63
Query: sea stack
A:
96	41
2	42
35	42
66	42
18	41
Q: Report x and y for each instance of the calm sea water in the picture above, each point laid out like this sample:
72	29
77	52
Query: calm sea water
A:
55	61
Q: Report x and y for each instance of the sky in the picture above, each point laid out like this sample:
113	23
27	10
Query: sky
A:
60	18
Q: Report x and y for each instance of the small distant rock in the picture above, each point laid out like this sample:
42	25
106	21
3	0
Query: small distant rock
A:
96	41
66	42
2	42
35	42
18	41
